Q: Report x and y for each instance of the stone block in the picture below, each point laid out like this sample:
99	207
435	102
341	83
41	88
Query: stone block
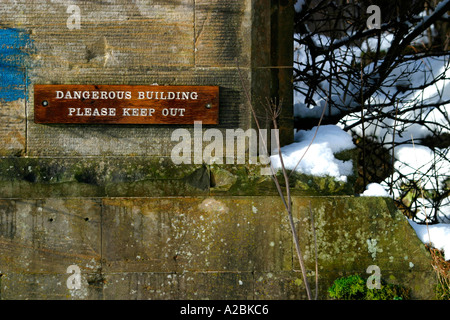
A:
179	286
356	232
175	234
19	286
98	177
13	128
222	33
110	34
47	236
280	285
15	48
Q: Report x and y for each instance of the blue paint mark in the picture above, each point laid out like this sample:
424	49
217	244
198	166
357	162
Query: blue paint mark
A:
12	83
15	48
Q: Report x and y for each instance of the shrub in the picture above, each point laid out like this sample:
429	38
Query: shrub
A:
354	287
442	291
442	269
348	288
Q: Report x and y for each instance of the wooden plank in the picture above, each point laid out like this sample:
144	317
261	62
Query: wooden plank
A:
125	104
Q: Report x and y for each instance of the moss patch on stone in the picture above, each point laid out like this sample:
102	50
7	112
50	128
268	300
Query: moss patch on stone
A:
354	287
148	176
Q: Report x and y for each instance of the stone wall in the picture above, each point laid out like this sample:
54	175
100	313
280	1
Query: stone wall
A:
181	42
201	247
108	198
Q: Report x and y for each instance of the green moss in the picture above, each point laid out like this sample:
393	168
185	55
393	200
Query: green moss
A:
348	288
388	291
242	179
87	175
354	288
442	291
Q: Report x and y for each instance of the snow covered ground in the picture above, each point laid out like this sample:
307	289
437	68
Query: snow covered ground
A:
318	158
375	190
437	234
413	162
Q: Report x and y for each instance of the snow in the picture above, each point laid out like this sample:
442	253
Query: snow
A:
375	190
298	5
301	110
425	19
372	43
430	169
414	163
436	234
415	160
413	74
319	160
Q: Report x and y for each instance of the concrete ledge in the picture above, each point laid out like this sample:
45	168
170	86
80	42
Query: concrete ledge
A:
146	176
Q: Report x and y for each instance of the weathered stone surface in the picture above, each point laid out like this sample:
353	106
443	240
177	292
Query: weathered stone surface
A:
15	47
279	285
240	180
146	176
320	186
354	233
12	128
96	177
250	180
222	33
108	198
175	286
137	34
47	236
20	286
173	234
222	179
142	286
202	247
182	42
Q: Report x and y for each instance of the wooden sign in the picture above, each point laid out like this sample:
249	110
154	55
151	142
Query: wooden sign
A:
117	104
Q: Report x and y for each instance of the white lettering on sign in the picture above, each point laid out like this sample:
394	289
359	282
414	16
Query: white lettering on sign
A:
126	112
103	95
126	104
121	95
173	112
95	112
150	95
138	112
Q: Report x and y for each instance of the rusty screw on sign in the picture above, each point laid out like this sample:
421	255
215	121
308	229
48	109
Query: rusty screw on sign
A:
45	103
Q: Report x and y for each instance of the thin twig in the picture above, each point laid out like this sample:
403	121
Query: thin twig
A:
286	201
363	128
393	153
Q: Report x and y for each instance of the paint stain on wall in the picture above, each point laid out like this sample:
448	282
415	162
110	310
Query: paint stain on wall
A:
15	49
